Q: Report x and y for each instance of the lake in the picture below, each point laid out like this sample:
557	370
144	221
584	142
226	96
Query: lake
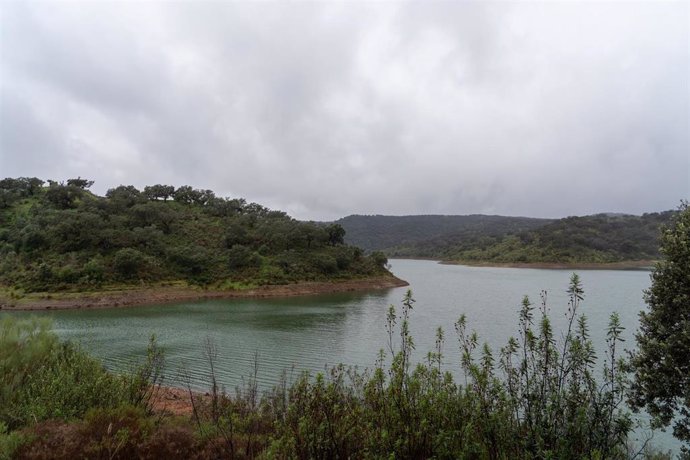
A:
310	333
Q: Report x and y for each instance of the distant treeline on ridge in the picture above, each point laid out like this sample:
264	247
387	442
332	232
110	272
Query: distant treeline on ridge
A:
600	238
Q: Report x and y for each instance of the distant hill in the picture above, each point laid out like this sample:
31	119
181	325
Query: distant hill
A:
410	235
601	238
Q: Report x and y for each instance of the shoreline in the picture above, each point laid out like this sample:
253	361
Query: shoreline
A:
646	265
162	295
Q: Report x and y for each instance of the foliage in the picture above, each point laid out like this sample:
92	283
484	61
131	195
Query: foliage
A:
600	238
10	442
41	378
662	363
538	399
421	236
25	347
63	237
592	239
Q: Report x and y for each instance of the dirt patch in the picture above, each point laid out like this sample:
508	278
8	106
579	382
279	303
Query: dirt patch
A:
162	295
175	401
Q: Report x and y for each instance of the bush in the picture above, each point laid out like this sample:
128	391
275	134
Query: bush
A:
537	399
129	263
325	264
94	272
66	385
193	262
10	442
240	256
113	433
42	379
379	258
25	346
271	274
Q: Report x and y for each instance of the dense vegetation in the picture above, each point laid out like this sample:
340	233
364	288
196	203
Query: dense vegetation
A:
662	362
416	236
601	238
539	397
61	236
43	379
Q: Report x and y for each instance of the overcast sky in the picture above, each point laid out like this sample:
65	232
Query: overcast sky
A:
330	109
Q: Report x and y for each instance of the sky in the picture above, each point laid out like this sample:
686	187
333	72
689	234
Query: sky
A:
326	109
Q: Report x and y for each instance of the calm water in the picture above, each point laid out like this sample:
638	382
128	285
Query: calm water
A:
309	333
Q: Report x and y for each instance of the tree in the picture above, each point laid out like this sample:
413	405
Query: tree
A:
187	195
34	184
224	207
129	263
154	213
240	256
379	258
80	183
12	190
124	196
336	234
22	186
662	363
63	196
158	191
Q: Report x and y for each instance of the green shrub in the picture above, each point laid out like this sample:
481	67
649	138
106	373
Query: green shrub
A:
68	384
325	264
379	258
537	399
129	263
10	442
94	271
240	257
25	346
42	379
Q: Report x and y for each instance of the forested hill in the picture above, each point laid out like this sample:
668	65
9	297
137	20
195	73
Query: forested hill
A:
397	234
601	238
56	236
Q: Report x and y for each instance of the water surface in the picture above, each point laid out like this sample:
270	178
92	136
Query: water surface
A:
308	333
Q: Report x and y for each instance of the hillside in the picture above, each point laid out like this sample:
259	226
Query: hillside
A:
62	237
407	235
601	238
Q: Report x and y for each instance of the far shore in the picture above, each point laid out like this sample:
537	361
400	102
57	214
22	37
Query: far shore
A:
624	265
166	294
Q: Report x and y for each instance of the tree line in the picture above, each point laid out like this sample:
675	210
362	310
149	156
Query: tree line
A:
600	238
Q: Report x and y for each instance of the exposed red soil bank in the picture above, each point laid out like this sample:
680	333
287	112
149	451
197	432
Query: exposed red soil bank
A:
175	401
160	295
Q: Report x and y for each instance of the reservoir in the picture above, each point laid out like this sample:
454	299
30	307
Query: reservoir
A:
309	333
291	335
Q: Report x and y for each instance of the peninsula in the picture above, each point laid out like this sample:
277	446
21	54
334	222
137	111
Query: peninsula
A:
62	246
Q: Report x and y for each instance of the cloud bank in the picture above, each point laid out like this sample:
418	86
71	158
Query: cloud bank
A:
329	109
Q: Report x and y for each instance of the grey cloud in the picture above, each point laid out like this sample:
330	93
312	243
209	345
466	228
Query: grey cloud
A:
327	109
